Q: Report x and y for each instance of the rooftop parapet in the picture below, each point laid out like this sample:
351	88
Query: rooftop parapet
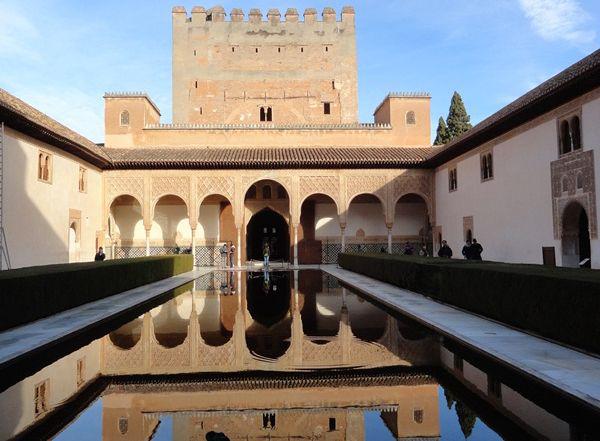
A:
262	126
217	14
131	95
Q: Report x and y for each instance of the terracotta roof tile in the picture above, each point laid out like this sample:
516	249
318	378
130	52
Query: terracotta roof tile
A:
255	157
27	119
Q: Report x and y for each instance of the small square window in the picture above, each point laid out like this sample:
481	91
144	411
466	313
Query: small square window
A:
327	108
332	424
418	416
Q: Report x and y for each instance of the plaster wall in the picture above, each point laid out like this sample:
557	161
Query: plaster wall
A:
37	213
512	213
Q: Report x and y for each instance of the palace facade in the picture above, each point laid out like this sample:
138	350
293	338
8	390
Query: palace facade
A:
266	146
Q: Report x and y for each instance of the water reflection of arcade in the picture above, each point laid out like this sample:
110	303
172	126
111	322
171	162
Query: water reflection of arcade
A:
278	320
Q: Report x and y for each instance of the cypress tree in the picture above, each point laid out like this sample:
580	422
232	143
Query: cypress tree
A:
442	133
458	120
466	418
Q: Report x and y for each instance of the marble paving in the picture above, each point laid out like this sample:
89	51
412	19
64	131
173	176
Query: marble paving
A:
569	370
44	333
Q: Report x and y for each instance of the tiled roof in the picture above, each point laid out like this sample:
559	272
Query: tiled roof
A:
20	116
257	157
572	82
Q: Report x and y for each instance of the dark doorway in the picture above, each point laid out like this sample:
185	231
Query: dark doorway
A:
575	236
268	226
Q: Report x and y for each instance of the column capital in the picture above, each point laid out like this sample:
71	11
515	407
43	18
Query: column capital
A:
389	225
343	225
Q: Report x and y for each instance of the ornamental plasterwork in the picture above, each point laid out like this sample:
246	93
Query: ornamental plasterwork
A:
120	185
356	185
328	185
420	184
178	186
564	174
215	185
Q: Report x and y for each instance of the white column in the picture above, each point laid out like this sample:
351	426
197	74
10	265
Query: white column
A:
239	246
295	245
147	242
194	245
389	237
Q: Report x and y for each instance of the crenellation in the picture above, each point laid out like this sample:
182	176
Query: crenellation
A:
216	14
236	15
310	15
255	16
291	15
273	16
200	15
329	15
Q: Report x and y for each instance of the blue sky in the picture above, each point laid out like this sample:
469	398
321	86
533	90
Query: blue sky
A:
61	56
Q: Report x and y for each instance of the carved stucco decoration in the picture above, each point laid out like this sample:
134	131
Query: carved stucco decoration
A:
178	186
328	185
405	184
121	185
356	185
216	185
566	170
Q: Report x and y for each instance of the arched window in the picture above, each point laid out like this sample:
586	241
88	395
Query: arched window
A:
263	114
266	192
281	194
418	416
565	137
487	169
41	166
269	114
575	133
579	181
410	117
564	185
82	180
46	171
452	179
124	118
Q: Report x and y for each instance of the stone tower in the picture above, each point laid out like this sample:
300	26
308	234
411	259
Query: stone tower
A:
251	71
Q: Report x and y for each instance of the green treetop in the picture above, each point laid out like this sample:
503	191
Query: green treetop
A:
442	133
458	120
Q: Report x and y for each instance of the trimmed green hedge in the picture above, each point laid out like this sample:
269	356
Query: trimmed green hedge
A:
28	294
560	303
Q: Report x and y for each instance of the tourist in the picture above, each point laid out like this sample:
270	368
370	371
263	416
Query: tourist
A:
100	256
408	249
266	252
382	250
423	251
467	251
224	256
445	251
476	250
231	254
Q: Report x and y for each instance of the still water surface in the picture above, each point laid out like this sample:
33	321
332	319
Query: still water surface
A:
280	355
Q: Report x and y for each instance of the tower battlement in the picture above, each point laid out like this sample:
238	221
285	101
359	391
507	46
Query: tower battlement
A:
217	14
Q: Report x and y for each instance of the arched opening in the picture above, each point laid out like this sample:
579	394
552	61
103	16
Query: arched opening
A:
216	311
171	230
171	321
215	227
469	235
268	226
319	239
565	137
575	236
126	227
267	220
366	230
411	225
127	336
74	245
268	299
368	322
320	305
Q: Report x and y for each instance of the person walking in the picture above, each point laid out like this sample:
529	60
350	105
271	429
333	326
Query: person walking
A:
445	251
476	250
266	254
224	255
467	251
423	251
100	256
231	254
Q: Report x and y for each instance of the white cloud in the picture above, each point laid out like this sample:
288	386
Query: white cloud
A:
557	20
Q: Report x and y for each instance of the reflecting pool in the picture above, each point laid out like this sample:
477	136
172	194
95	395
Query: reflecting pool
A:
289	355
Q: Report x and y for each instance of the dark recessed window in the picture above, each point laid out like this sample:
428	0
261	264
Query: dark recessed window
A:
327	108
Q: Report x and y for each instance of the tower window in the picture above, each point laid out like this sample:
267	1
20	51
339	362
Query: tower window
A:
487	168
410	118
302	49
327	108
266	114
332	424
279	49
196	84
256	50
569	134
418	416
232	49
452	179
40	398
194	52
124	118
